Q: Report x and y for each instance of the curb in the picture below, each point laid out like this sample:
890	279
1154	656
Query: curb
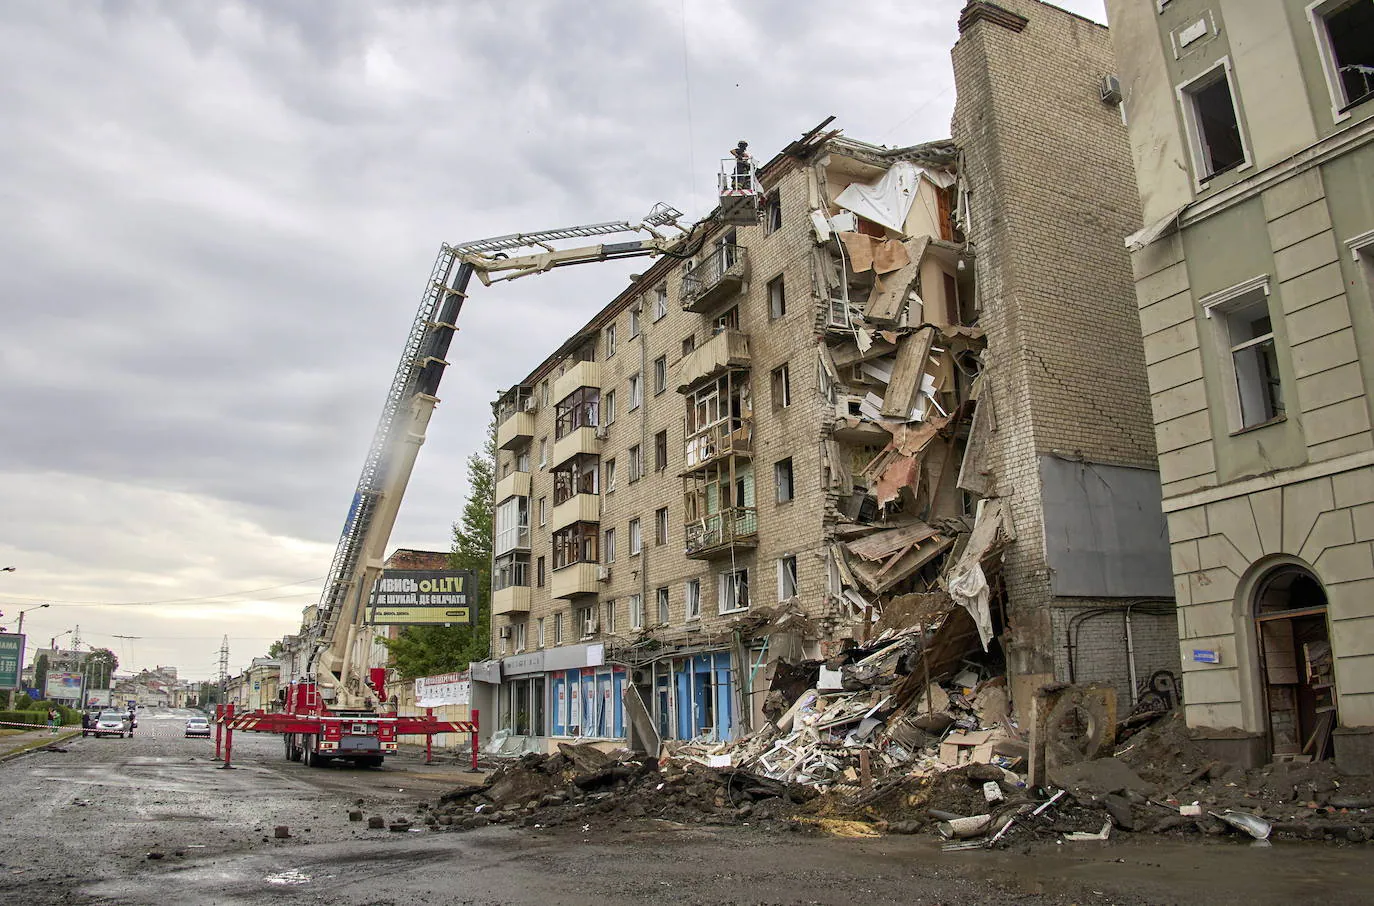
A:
37	744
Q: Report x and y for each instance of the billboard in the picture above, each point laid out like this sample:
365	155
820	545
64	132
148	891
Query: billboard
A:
419	597
445	689
11	653
64	685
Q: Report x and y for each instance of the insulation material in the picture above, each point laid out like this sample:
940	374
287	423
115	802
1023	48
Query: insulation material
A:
890	255
904	389
858	249
882	256
888	201
821	226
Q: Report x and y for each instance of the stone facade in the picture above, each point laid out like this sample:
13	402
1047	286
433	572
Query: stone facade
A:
1264	438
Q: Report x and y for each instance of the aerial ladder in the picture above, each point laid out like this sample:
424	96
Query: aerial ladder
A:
339	708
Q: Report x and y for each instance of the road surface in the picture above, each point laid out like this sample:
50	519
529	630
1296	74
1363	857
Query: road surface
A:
155	820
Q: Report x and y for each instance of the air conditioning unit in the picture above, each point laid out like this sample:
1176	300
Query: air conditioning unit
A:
530	404
504	632
603	573
590	628
1110	90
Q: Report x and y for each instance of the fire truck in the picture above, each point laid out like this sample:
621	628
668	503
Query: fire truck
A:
339	708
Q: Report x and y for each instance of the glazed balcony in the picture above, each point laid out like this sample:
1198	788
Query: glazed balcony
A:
576	579
724	351
714	535
583	374
516	431
732	437
515	599
720	275
516	484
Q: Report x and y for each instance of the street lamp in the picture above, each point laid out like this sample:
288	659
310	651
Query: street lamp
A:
20	631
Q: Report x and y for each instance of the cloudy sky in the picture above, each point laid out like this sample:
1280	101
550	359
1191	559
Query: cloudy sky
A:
221	218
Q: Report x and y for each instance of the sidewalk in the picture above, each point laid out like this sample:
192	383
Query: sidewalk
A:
14	745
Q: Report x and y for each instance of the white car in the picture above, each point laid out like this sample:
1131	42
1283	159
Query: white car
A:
198	726
112	723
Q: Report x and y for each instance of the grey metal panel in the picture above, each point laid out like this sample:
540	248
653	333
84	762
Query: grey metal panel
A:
1105	533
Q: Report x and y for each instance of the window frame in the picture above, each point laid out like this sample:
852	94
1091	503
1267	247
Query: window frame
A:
787	573
1317	13
661	451
660	375
1185	93
636	537
636	464
729	579
664	605
777	305
608	479
779	467
661	526
1220	307
610	339
636	612
608	546
691	596
636	391
608	407
660	301
780	378
772	212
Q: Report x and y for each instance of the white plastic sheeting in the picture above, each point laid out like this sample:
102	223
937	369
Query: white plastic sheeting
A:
889	200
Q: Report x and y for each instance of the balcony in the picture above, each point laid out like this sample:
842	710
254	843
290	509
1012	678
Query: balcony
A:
714	535
576	579
722	274
515	599
516	484
726	350
582	440
577	508
732	437
583	374
515	431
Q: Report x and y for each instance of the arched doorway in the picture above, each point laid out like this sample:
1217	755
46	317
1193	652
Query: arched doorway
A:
1296	666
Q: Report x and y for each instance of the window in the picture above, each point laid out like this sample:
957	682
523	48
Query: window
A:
1213	125
777	298
610	475
692	595
782	387
772	213
636	463
662	595
689	343
728	320
610	339
586	621
558	629
522	460
661	451
636	391
609	547
734	590
581	474
636	612
539	572
634	322
1345	39
543	452
519	636
660	374
510	571
610	616
543	511
575	544
539	632
511	525
636	541
661	526
787	578
660	301
782	478
544	393
608	408
581	409
1246	335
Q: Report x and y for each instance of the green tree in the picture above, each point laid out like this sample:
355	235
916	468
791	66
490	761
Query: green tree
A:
100	666
275	649
429	650
40	675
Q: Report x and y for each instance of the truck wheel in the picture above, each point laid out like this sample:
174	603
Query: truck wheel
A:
372	761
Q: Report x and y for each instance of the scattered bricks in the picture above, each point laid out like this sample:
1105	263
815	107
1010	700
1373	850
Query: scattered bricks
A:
399	826
355	815
376	822
155	855
282	832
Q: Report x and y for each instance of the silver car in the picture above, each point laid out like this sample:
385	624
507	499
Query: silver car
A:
113	723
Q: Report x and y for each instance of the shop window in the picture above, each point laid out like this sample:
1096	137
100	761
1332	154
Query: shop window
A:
1344	30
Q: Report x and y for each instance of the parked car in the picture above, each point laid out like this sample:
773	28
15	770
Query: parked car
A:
112	723
198	726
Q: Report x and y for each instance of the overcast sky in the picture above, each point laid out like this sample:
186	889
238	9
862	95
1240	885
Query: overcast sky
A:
221	219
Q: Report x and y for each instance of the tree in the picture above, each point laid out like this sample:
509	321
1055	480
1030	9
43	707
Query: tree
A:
429	650
275	649
100	666
40	675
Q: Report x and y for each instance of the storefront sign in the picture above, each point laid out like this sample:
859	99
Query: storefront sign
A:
566	657
532	662
444	689
11	653
417	597
485	671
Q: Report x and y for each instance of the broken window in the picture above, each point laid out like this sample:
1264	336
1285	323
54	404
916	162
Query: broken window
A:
691	591
579	475
609	483
558	629
726	320
1345	37
660	374
581	409
782	477
543	511
689	343
787	578
782	387
1211	108
610	616
586	620
539	632
610	339
522	459
777	298
636	612
636	391
662	595
634	322
636	539
1250	335
636	463
510	571
543	452
519	636
661	526
575	544
734	590
608	408
660	301
772	212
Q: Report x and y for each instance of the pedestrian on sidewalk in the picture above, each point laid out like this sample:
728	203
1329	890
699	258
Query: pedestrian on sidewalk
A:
53	717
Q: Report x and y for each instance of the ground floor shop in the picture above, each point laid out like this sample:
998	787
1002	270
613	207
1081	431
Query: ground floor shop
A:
1275	584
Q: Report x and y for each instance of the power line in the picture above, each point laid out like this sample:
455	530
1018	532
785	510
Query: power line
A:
15	599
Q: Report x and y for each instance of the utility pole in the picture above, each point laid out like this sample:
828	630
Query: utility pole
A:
223	669
20	633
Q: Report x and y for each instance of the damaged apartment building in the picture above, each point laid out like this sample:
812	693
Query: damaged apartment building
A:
881	388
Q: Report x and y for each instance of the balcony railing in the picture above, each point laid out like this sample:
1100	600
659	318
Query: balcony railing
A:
722	272
727	349
732	437
718	531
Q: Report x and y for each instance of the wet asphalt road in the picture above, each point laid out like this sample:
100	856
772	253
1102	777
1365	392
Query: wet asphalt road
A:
79	827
